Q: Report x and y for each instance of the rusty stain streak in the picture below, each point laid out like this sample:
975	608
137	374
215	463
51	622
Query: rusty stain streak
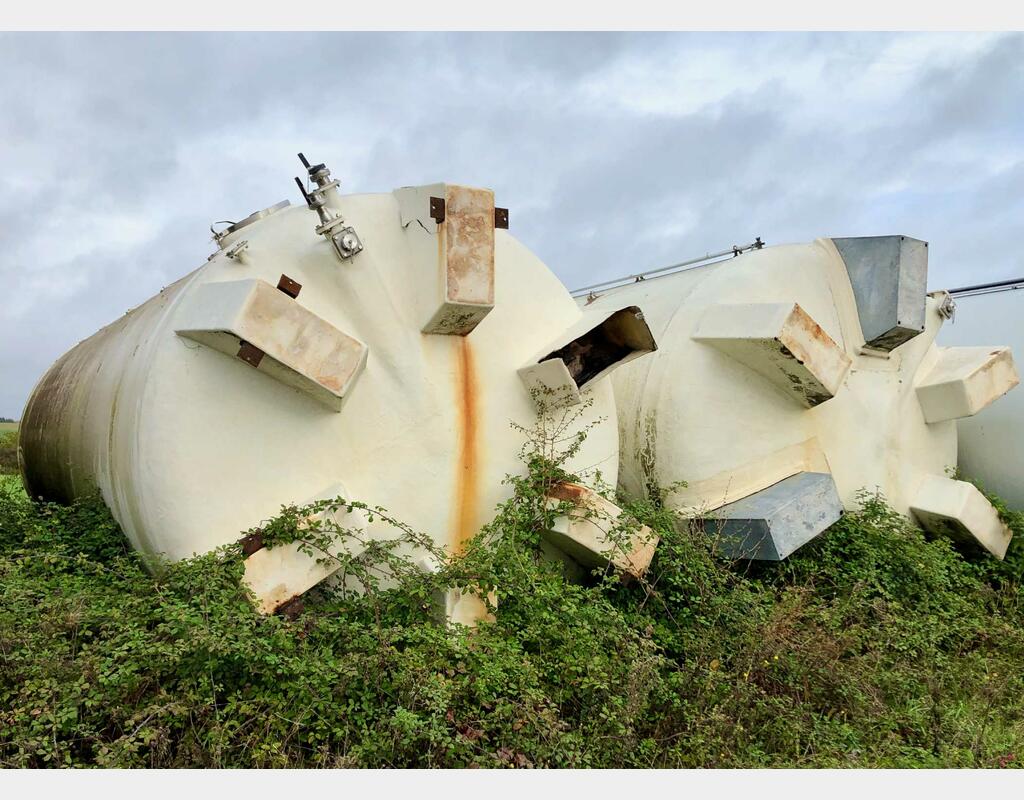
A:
467	472
330	382
817	335
572	492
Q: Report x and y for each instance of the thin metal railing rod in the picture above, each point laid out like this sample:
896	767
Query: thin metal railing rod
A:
630	282
985	288
615	282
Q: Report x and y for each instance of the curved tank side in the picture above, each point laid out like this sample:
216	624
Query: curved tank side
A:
66	432
763	375
991	448
193	433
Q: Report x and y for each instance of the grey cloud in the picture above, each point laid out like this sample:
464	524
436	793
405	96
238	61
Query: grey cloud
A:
614	152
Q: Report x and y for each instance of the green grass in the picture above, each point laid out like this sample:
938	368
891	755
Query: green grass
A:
8	449
11	484
873	646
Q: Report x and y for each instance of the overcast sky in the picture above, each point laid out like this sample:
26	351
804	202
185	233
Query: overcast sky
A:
613	153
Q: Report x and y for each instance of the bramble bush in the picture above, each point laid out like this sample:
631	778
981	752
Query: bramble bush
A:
872	646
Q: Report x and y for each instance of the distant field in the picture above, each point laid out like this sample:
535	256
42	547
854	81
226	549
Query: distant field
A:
12	482
8	448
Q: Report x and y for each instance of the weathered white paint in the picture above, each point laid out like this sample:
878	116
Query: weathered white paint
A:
550	383
278	574
456	273
964	380
593	535
301	349
958	510
780	342
694	413
189	447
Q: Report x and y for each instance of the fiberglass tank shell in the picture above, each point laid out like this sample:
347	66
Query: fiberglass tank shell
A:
190	445
991	445
763	373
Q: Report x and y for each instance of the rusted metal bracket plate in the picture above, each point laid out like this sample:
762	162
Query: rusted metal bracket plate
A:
501	218
292	609
251	543
289	287
250	354
437	209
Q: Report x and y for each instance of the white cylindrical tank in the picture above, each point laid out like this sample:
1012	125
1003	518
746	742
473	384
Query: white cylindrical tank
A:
790	378
991	444
371	349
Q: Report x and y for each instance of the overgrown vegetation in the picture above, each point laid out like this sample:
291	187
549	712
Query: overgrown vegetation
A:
872	646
